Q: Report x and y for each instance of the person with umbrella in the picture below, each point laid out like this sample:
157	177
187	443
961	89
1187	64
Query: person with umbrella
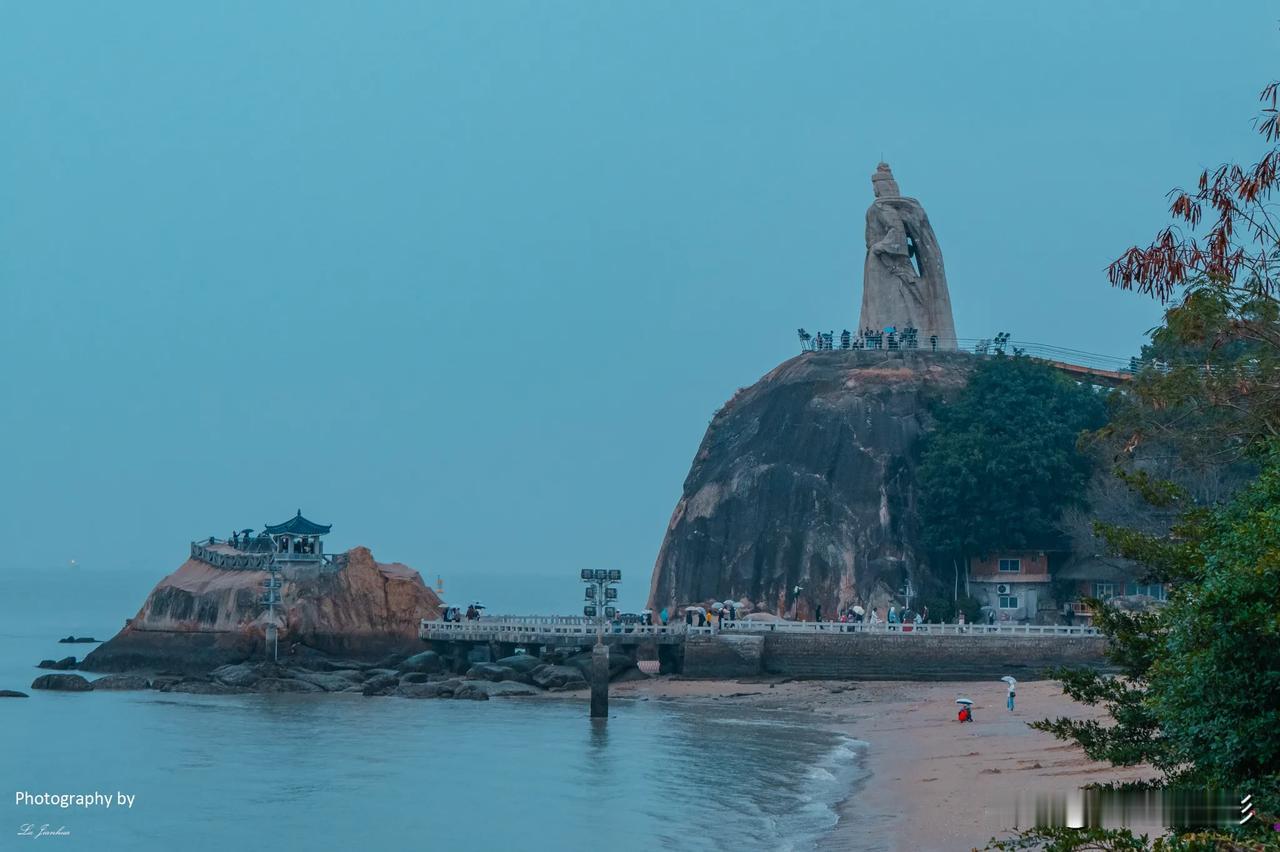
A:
966	710
1013	685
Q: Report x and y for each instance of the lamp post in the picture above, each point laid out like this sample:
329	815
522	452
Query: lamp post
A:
601	605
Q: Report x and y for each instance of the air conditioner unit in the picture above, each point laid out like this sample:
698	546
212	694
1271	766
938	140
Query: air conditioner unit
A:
1002	589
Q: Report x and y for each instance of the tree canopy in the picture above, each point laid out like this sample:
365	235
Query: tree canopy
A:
1002	463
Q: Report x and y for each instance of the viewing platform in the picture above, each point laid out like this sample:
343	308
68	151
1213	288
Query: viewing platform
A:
296	541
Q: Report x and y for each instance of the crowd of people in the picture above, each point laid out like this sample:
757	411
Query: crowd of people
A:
718	615
869	338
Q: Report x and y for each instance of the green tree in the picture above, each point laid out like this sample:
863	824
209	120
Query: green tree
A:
1002	464
1199	691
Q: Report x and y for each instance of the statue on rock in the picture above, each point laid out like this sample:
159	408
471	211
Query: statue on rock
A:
903	282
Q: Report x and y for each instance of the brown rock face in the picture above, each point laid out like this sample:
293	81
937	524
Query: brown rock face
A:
807	478
201	617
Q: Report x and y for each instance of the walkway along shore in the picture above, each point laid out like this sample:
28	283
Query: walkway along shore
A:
789	649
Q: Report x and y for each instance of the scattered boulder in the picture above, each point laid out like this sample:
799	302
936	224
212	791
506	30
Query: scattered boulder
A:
442	689
350	675
62	683
382	684
522	663
195	686
428	662
335	666
483	690
390	661
370	674
329	682
60	665
12	693
550	676
510	689
280	684
241	674
414	677
473	690
489	671
122	682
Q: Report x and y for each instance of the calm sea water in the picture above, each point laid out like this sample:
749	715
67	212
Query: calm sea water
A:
347	772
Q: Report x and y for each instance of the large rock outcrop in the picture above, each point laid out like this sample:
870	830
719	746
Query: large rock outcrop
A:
807	478
201	617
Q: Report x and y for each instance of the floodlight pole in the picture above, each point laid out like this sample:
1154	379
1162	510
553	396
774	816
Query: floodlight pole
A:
600	582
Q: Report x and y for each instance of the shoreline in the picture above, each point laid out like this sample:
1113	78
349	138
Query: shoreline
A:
930	781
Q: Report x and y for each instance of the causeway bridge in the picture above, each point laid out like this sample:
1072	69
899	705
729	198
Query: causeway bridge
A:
747	648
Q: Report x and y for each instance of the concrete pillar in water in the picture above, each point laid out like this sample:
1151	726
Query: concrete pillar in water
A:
600	681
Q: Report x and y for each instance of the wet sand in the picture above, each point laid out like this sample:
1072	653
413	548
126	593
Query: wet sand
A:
933	783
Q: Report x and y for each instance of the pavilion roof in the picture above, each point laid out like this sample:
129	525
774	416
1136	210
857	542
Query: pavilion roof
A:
298	525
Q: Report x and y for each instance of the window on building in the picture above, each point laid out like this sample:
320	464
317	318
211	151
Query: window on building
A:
1154	590
1102	591
1011	565
1008	601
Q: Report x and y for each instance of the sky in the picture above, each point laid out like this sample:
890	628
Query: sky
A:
468	280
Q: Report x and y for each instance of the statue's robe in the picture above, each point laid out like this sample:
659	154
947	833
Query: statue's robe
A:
904	283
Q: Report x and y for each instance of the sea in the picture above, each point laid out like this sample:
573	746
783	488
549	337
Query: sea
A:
344	772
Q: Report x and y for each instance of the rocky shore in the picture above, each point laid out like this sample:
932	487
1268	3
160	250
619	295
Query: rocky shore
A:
421	675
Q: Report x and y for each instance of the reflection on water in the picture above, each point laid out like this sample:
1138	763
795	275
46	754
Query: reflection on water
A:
332	772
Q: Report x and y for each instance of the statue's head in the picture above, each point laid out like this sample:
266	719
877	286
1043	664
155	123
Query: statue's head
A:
883	184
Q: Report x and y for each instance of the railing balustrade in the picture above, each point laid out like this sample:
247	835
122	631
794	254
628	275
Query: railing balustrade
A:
556	626
260	561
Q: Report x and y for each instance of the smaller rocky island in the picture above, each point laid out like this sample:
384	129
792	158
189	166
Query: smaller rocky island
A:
274	613
214	610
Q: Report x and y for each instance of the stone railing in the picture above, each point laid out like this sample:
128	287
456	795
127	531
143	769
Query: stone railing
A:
522	629
906	629
230	561
261	561
511	630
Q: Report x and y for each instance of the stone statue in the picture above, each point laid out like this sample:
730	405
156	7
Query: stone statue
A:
903	283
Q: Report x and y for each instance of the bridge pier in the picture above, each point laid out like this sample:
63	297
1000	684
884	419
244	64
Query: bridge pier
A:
670	659
600	681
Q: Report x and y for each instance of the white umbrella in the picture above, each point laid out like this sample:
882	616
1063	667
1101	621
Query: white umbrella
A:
1009	680
963	701
859	610
717	606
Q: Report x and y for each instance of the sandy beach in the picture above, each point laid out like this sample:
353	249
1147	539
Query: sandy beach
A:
933	783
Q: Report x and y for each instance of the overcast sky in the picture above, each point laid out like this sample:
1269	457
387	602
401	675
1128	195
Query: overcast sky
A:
468	280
